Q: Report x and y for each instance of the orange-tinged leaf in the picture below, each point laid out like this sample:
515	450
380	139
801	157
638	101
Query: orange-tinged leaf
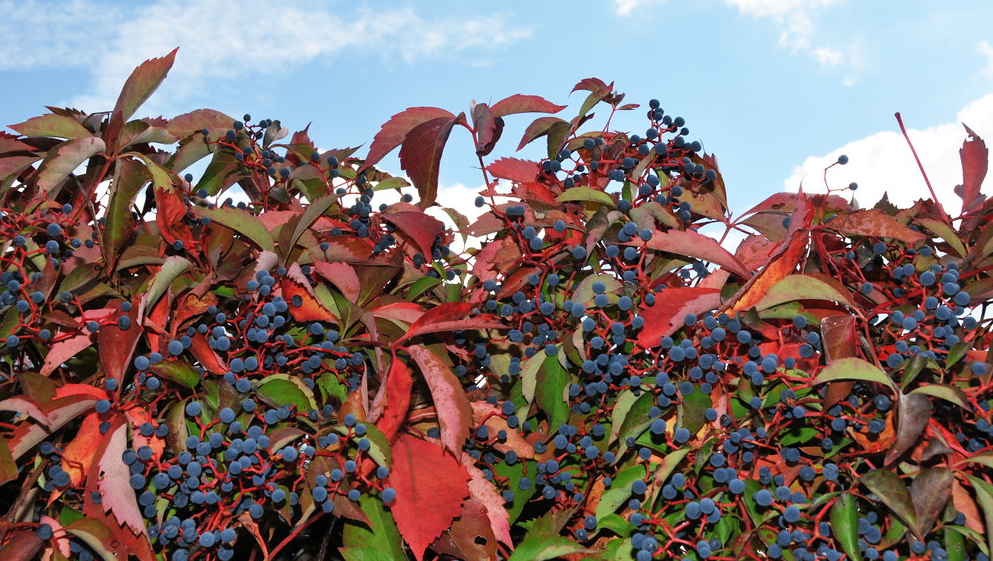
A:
430	489
206	355
451	403
490	416
296	284
519	103
975	164
875	223
170	217
117	345
782	263
78	456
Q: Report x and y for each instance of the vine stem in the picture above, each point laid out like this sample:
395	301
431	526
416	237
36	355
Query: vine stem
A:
930	189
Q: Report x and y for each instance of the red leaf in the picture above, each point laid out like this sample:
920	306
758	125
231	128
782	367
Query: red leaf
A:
431	487
594	85
671	306
206	355
489	415
421	228
193	122
693	244
171	217
913	413
142	82
975	163
21	546
116	345
393	132
420	156
514	169
450	316
66	349
489	128
398	386
341	275
518	103
407	312
482	490
114	476
138	416
875	223
452	405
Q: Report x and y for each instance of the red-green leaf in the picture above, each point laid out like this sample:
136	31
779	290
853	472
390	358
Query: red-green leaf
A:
8	468
395	130
913	413
801	287
66	349
930	491
450	402
975	163
894	494
187	124
380	534
539	128
66	157
430	489
670	309
489	128
420	156
845	524
518	103
486	493
142	82
58	126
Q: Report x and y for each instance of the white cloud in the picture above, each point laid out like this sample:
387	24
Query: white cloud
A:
796	17
986	50
882	162
626	7
219	44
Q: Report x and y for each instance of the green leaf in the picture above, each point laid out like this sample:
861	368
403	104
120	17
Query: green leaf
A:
845	524
240	221
58	126
853	368
177	371
583	292
894	494
330	386
692	410
129	178
950	394
283	389
586	194
625	400
381	535
313	212
945	232
551	382
173	266
620	490
636	419
985	458
366	554
541	547
514	474
64	158
529	375
97	535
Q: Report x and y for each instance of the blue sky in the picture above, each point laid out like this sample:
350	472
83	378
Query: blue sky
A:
775	88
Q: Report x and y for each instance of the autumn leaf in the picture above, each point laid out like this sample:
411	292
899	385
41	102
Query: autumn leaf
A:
397	388
418	227
975	164
296	284
450	316
393	132
451	403
342	275
114	481
78	455
485	492
420	156
671	307
430	489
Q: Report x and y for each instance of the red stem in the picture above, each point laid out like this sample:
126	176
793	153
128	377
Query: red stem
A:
934	197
